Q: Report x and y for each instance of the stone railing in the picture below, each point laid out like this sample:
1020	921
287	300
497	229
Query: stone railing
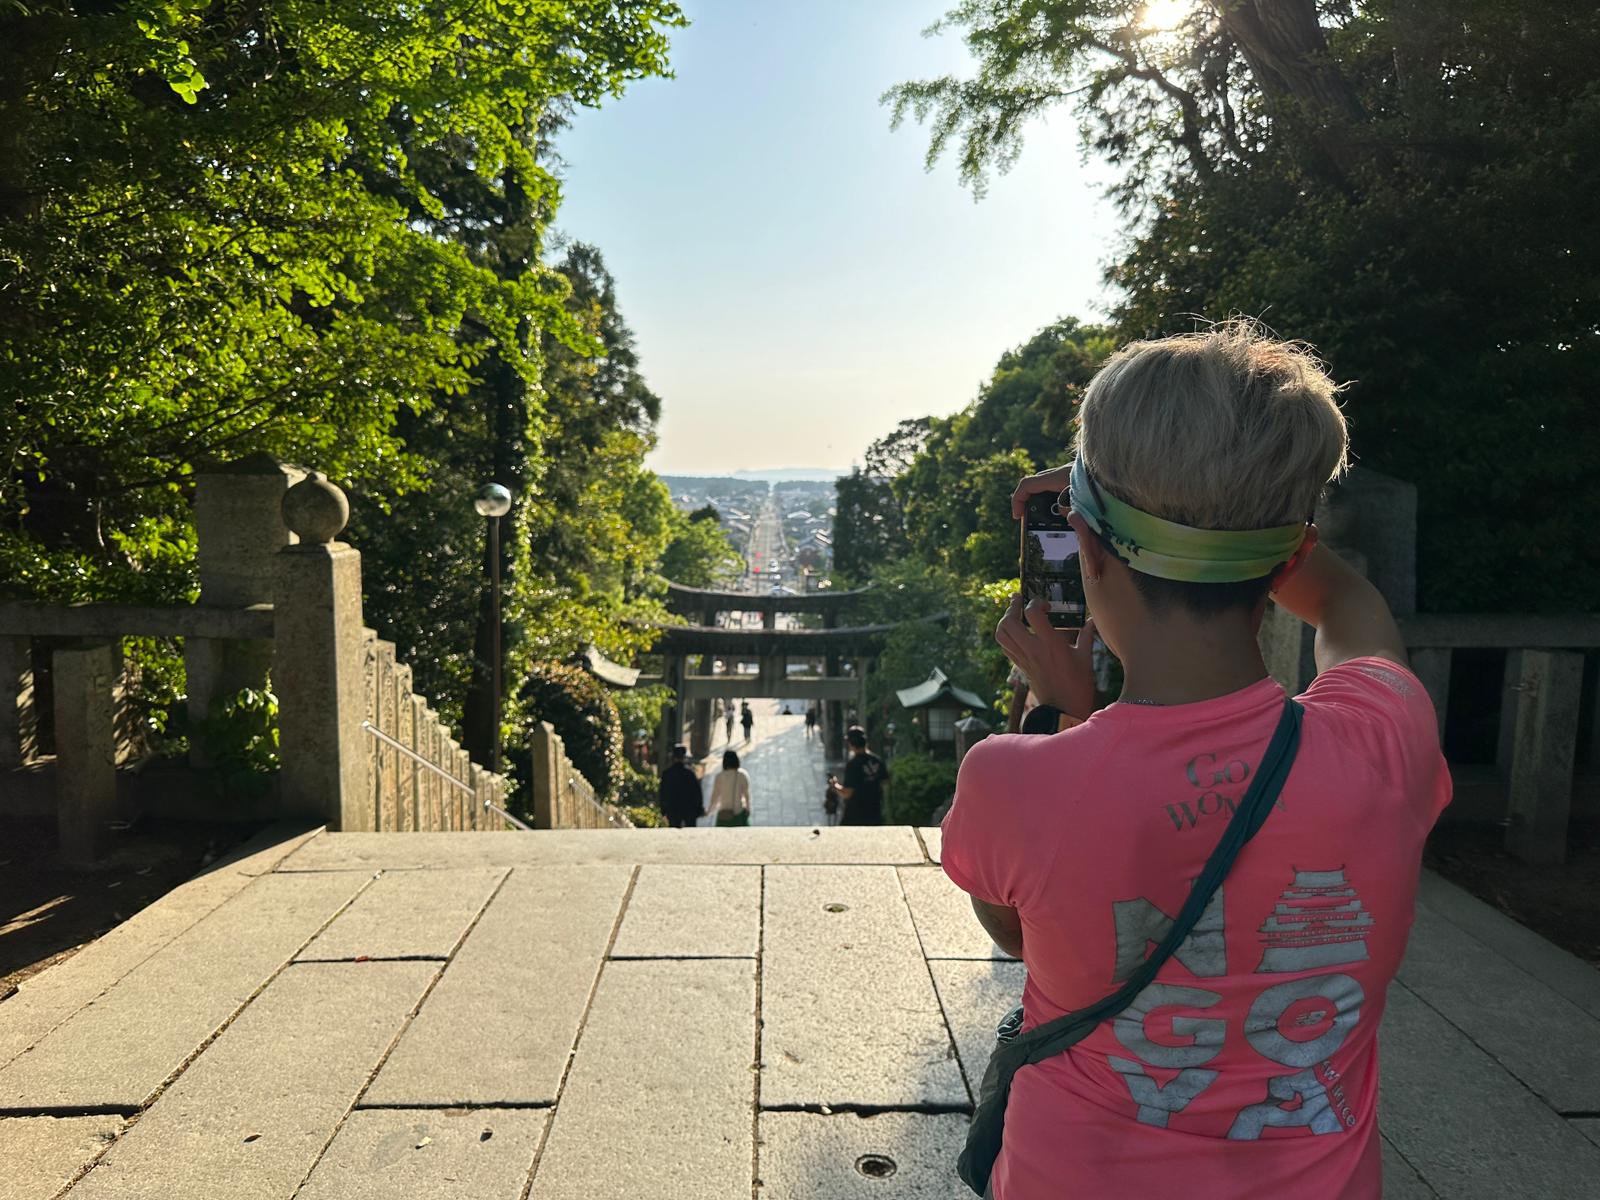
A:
1532	785
420	778
562	797
358	749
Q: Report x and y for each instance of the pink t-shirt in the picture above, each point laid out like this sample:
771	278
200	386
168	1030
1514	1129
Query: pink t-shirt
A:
1249	1067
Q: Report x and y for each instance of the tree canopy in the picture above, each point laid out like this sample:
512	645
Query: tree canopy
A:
1405	186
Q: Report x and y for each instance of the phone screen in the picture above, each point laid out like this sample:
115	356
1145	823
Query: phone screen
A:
1050	563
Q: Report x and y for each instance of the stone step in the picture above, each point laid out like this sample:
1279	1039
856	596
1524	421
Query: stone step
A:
248	1120
165	1008
501	1024
692	912
453	1154
849	1014
675	1123
407	914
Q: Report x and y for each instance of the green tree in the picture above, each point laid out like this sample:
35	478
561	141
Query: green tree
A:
221	232
956	493
700	554
1405	186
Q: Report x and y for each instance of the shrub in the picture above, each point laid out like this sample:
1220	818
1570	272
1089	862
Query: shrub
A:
918	784
646	817
584	717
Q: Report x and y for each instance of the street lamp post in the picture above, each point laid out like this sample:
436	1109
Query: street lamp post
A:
494	501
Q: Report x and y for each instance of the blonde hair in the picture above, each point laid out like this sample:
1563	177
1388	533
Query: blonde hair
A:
1225	428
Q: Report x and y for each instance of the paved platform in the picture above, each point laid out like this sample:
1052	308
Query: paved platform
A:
788	776
659	1015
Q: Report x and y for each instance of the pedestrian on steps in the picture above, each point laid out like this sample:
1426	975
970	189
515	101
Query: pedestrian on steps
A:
727	723
811	720
679	794
746	718
730	793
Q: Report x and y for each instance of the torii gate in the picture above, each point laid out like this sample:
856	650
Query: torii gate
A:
771	648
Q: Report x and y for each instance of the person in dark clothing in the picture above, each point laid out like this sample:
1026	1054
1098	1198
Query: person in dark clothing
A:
679	795
864	777
746	718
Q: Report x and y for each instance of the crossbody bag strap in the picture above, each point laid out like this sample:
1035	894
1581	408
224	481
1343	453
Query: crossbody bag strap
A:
1247	820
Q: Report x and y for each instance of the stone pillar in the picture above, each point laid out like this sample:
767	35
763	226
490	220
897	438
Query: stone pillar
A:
86	769
769	619
542	756
1542	755
18	719
672	672
700	729
239	530
1510	693
1432	667
832	716
318	670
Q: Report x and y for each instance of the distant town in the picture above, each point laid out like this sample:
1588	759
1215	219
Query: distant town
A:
804	507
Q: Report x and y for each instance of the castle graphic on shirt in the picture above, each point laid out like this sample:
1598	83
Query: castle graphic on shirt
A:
1298	1024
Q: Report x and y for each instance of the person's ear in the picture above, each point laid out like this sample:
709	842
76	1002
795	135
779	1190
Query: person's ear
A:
1091	549
1296	560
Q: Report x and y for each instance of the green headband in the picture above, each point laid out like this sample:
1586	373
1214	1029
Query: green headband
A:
1167	550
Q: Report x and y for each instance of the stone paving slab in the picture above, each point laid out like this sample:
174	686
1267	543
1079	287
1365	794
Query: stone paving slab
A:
943	916
692	912
849	1014
1400	1179
1465	1125
1563	973
501	1023
975	996
676	1122
1540	1037
933	839
407	914
40	1155
49	998
248	1120
454	1154
808	1156
1589	1127
119	1050
369	852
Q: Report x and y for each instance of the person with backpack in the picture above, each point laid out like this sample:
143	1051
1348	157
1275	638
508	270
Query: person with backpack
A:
861	790
1210	883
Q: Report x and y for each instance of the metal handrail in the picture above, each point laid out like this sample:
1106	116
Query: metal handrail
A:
445	775
412	754
497	809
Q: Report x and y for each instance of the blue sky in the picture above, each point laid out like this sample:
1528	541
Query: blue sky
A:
797	282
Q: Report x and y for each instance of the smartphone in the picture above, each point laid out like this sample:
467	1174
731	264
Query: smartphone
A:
1049	562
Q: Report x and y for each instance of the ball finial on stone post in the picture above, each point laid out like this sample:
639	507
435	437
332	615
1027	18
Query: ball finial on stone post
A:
315	510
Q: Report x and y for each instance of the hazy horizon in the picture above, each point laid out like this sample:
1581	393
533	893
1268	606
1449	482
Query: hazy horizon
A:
796	282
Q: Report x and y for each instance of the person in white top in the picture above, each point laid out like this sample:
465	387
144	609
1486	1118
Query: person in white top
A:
730	793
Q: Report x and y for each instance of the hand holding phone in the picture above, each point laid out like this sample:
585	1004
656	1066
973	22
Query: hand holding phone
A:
1049	562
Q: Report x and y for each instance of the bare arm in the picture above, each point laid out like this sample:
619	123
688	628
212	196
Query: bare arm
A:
1002	924
1350	616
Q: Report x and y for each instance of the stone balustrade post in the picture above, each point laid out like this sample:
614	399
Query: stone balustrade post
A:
239	530
86	768
1431	665
18	718
318	670
1546	739
541	769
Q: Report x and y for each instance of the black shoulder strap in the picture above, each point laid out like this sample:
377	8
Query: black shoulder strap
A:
1247	820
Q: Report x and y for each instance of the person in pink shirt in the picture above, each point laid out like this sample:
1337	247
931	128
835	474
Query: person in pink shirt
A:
1250	1066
